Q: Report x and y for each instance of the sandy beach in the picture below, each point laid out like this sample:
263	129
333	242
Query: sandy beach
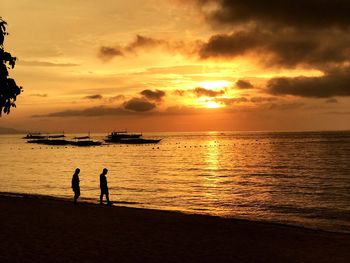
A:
37	229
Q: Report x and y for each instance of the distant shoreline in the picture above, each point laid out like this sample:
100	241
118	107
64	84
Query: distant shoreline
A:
9	131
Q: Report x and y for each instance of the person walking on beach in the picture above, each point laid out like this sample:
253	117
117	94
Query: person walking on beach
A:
104	186
75	185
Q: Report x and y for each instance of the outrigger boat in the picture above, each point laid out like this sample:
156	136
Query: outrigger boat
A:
50	140
124	137
34	135
84	141
56	140
116	136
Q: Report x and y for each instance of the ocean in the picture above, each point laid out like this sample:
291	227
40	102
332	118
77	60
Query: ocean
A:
295	178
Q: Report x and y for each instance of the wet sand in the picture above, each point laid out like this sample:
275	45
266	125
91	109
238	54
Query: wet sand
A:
43	230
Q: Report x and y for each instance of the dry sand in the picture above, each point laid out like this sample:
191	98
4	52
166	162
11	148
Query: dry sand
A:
42	230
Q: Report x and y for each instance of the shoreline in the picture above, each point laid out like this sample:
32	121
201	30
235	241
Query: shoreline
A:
54	230
124	204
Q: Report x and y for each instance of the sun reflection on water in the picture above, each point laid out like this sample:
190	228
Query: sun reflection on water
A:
211	187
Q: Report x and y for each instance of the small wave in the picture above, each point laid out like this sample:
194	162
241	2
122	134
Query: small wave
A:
280	175
127	203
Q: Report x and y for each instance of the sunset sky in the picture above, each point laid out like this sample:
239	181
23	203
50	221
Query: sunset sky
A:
179	65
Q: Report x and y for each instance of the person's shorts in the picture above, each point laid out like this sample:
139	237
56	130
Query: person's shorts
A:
76	191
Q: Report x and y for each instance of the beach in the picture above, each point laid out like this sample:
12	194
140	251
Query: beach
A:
40	229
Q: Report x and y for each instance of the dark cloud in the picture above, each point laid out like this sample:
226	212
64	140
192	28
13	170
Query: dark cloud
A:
94	97
156	95
280	48
262	99
89	112
276	13
257	100
316	50
107	53
199	92
133	106
119	111
179	92
139	105
229	46
280	33
244	84
202	92
335	83
145	42
287	48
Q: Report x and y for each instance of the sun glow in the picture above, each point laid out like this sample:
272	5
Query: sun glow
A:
212	105
217	84
209	103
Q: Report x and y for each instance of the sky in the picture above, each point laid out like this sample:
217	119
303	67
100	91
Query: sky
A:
179	65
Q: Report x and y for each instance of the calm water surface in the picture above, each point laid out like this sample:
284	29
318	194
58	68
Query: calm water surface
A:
294	178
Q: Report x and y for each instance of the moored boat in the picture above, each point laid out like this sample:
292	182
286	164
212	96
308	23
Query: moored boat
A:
124	137
116	136
55	139
34	135
84	141
48	141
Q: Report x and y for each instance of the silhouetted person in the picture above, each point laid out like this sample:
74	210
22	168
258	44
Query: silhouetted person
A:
104	186
75	185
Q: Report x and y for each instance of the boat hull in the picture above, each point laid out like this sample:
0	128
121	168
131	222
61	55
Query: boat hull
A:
49	142
65	142
134	141
86	143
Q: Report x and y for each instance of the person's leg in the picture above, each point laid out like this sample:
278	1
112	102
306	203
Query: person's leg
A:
101	197
75	197
107	198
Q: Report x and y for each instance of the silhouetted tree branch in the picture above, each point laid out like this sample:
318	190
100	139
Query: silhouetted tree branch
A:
8	87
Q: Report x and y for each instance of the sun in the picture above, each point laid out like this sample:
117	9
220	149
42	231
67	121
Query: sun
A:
212	105
208	103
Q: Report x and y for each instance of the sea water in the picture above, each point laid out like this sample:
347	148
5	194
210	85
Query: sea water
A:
297	178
